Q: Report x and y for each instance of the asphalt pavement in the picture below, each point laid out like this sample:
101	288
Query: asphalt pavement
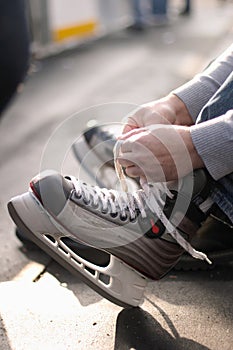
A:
42	306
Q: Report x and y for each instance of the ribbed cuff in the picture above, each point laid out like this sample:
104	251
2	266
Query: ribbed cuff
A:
213	141
195	94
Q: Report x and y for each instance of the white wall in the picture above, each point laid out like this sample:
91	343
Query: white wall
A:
65	13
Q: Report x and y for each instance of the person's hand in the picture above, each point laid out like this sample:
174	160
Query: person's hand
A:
160	153
168	110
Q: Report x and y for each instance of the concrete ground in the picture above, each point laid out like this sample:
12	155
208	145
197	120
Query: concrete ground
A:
42	306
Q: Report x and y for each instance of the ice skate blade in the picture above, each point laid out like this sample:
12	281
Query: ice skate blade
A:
117	282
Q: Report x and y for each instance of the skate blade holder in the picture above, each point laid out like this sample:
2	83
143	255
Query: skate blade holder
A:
118	282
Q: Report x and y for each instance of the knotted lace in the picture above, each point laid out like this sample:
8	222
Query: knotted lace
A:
155	204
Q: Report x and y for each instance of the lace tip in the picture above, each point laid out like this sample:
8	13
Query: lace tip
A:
205	257
208	260
202	256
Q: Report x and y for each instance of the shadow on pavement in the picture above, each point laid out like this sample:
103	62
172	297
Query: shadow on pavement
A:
137	329
223	272
198	287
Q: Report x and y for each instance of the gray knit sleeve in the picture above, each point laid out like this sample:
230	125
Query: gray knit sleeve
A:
213	141
196	93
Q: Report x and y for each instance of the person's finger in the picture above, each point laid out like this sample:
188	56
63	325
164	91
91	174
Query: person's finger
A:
127	135
130	125
134	171
131	133
137	119
128	128
143	180
125	162
126	147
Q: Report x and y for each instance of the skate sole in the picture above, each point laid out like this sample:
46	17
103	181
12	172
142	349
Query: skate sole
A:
64	259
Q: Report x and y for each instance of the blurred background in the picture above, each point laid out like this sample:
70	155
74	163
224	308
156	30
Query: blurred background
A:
95	59
93	52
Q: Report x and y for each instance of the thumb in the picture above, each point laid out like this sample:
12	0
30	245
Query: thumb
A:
128	128
131	124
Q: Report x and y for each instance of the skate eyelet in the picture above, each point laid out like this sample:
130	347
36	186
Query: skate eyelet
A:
86	202
123	217
133	219
114	215
78	195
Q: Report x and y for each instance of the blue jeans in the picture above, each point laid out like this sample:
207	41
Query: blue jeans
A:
137	10
220	103
158	7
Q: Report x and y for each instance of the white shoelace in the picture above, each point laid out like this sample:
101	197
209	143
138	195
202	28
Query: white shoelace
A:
153	200
117	201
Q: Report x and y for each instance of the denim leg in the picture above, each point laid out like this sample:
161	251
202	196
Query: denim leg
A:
159	7
187	7
137	10
219	104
